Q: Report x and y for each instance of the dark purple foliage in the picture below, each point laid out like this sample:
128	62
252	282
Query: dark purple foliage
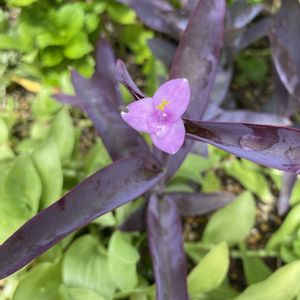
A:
124	77
288	182
285	43
104	191
271	146
166	247
191	204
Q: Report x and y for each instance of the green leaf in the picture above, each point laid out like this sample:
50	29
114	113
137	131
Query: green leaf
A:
78	47
211	183
96	159
8	42
210	272
232	223
250	177
4	131
29	186
254	268
121	14
70	20
63	133
85	266
47	162
281	285
123	258
289	227
79	294
41	283
192	167
20	2
51	56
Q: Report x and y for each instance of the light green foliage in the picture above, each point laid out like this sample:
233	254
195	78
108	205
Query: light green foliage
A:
42	283
251	177
85	266
20	2
282	285
210	272
63	133
47	162
19	195
123	258
231	223
254	268
78	294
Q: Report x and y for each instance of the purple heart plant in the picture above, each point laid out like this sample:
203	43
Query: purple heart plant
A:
174	119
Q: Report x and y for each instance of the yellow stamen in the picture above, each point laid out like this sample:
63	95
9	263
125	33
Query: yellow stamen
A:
162	105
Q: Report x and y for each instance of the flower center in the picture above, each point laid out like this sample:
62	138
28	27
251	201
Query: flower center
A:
163	104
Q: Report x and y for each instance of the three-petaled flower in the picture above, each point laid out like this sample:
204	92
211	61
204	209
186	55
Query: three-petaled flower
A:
160	116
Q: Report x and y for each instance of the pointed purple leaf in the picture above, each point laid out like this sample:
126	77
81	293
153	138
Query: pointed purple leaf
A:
166	248
197	59
68	99
271	146
191	204
136	221
163	50
285	44
240	13
157	16
119	139
107	189
123	76
246	116
288	182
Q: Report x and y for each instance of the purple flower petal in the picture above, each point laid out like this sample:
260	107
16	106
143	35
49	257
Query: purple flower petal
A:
173	97
138	113
173	141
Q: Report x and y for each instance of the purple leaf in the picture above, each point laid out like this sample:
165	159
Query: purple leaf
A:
197	59
246	116
107	189
68	99
123	77
288	182
163	50
240	13
157	15
136	221
285	44
271	146
191	204
165	243
253	33
119	139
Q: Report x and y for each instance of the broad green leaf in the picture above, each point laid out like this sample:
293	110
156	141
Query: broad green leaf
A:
210	272
6	151
192	168
70	20
41	283
4	131
78	47
211	183
232	223
96	159
85	266
281	285
79	294
8	42
63	133
289	226
47	162
251	178
254	268
122	257
51	56
23	181
121	14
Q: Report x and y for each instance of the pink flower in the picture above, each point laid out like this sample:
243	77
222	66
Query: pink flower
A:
160	116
